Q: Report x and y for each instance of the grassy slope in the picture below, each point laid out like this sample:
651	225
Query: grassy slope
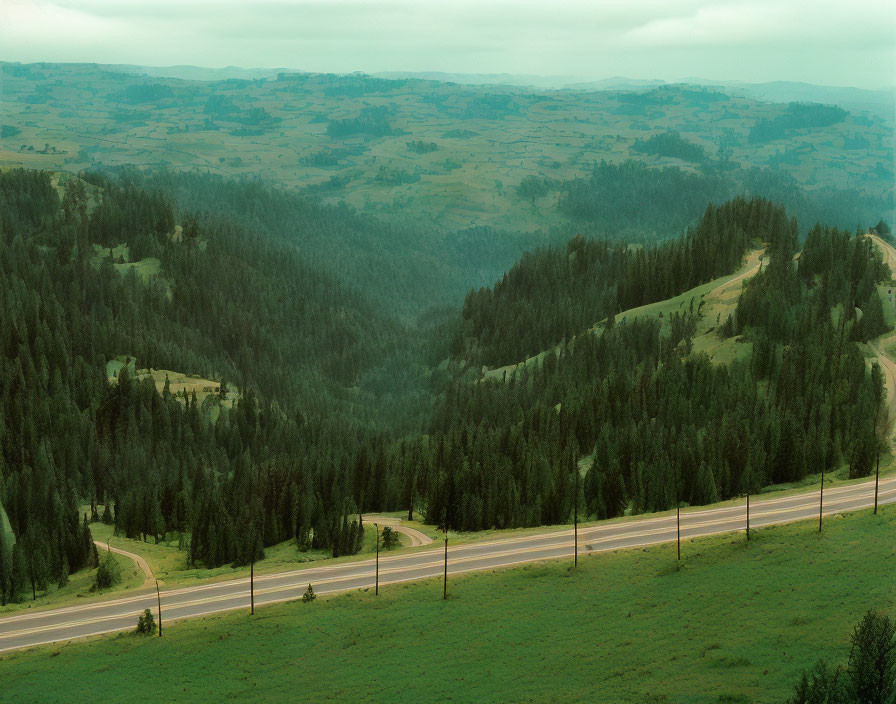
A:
6	530
720	299
736	620
77	591
169	564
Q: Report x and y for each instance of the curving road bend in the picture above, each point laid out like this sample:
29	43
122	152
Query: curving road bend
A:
29	629
415	537
880	345
148	579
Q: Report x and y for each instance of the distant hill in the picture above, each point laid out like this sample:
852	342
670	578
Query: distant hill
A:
346	137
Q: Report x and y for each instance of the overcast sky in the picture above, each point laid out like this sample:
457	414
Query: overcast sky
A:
834	42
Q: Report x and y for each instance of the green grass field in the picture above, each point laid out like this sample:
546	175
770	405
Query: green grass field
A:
737	622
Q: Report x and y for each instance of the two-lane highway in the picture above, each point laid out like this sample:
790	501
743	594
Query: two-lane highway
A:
28	629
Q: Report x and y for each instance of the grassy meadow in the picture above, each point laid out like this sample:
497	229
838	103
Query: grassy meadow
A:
79	589
734	622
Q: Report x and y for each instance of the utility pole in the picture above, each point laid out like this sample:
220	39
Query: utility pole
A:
575	513
821	500
159	597
677	515
252	587
748	514
376	591
678	527
876	478
445	582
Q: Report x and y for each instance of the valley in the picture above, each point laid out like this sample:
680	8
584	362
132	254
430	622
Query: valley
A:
608	366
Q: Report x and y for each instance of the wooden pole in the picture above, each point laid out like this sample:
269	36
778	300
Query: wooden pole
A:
252	588
159	597
575	559
678	527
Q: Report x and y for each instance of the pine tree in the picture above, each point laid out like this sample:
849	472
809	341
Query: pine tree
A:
5	568
146	623
872	659
309	594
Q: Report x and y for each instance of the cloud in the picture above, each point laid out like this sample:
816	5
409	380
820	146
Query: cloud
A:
824	41
771	22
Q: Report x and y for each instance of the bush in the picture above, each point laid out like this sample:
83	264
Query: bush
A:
532	187
108	574
309	595
146	623
870	676
872	659
390	539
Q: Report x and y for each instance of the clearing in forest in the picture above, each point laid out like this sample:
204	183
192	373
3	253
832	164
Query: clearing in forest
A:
718	298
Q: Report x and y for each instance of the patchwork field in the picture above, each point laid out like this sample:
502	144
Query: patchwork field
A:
454	153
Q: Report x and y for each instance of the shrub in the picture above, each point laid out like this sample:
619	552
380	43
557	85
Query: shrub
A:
309	595
108	574
146	623
390	539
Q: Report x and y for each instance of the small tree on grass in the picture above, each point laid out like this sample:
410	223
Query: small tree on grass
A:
872	659
108	574
870	677
309	595
146	623
390	538
532	187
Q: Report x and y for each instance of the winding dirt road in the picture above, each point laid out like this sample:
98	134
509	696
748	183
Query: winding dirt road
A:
754	261
414	536
879	346
148	579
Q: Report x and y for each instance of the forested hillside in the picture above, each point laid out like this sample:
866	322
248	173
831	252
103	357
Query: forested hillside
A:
552	294
335	414
225	304
634	202
658	424
405	265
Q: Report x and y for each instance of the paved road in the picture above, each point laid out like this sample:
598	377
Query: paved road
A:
27	629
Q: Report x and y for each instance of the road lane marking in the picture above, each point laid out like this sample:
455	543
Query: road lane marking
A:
853	493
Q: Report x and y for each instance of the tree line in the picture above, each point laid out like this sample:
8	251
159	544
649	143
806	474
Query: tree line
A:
552	294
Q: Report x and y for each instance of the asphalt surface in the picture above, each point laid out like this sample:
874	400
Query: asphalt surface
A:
38	627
